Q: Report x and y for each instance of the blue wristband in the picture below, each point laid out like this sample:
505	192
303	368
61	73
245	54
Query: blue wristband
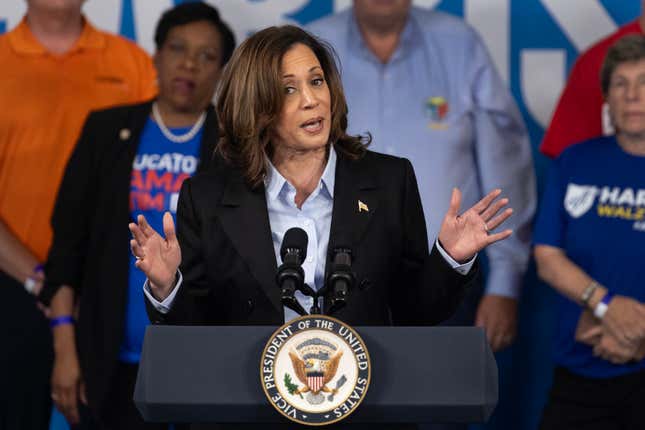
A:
602	306
607	298
66	319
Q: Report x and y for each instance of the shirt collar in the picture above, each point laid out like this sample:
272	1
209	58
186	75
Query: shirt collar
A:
328	177
411	34
275	182
23	40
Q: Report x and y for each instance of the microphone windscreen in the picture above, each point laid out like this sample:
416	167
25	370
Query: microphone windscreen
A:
294	238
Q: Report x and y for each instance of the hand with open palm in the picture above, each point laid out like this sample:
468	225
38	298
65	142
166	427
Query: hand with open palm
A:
157	257
463	236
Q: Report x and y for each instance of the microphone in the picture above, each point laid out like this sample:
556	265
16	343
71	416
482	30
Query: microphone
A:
291	277
341	278
294	246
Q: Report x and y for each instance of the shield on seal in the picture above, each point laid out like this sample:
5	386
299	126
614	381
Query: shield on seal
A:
315	381
579	199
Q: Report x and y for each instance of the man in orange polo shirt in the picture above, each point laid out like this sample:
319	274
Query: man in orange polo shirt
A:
55	68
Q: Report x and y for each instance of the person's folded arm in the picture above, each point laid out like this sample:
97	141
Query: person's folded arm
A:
625	317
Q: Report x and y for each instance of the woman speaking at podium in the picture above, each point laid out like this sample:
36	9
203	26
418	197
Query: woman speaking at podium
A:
287	161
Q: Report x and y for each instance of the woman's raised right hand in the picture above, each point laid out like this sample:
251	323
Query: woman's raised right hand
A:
157	257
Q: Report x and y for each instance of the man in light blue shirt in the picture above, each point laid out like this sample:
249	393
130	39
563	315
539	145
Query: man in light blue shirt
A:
423	84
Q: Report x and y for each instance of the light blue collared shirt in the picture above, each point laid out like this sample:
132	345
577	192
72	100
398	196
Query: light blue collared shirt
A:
440	103
314	217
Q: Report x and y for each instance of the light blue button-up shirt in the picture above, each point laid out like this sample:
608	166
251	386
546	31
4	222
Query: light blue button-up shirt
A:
440	103
314	217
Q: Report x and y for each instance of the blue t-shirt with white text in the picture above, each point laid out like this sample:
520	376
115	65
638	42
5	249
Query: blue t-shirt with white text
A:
159	169
593	208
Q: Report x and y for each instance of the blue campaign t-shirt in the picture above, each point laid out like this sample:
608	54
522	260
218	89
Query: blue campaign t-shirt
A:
594	209
158	171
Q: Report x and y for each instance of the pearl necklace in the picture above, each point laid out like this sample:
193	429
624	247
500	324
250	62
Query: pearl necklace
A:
183	138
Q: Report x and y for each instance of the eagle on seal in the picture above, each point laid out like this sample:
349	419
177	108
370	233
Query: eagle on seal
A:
307	370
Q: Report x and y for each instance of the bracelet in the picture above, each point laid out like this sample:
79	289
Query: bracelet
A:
602	306
65	319
30	285
588	292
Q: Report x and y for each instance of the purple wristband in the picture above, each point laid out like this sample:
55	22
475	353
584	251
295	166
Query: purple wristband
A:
39	268
66	319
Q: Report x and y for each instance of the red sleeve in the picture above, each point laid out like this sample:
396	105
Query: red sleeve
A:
578	115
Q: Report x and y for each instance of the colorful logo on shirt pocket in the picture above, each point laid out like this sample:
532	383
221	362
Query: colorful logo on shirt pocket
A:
437	109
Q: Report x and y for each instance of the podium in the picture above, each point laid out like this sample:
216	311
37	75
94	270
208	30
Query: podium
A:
419	374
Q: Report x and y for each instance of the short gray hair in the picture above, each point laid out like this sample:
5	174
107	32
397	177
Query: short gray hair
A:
627	49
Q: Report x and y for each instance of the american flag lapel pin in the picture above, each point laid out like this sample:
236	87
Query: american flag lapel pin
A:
362	207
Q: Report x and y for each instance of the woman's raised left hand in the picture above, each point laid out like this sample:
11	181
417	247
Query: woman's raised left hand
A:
463	236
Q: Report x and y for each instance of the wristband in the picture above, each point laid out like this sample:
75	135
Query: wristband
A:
588	292
65	319
602	306
30	285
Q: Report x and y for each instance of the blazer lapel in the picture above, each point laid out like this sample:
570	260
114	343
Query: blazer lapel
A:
245	219
129	132
119	165
356	200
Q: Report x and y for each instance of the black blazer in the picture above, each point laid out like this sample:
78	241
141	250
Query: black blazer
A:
229	265
90	224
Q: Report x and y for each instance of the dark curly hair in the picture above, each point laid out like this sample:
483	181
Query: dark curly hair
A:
187	13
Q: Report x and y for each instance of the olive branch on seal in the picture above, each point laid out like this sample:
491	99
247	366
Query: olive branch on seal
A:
291	387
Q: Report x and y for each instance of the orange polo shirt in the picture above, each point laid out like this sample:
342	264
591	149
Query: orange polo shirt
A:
44	100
